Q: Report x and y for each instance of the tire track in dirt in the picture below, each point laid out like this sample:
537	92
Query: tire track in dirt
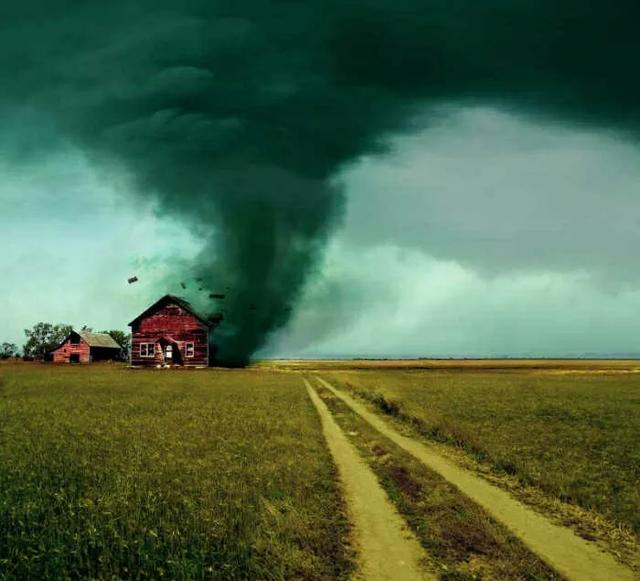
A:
573	557
386	549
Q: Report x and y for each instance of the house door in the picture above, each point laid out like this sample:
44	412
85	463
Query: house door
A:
171	352
74	358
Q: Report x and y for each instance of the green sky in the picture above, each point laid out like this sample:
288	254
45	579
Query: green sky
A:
378	178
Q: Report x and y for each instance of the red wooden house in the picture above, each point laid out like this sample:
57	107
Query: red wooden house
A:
170	332
86	347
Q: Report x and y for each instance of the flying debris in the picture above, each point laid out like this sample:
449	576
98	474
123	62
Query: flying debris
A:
183	285
252	307
132	279
217	296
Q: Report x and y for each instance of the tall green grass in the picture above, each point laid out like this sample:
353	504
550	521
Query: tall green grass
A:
107	472
576	436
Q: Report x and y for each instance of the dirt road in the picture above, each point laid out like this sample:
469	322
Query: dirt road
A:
559	547
386	548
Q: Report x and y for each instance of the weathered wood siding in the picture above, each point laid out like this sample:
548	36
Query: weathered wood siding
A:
170	322
63	353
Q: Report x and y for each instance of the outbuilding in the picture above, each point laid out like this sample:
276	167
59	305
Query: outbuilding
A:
86	347
170	332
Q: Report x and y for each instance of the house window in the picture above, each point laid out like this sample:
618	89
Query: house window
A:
189	349
146	349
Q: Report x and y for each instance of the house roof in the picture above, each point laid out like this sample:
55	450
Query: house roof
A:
99	340
186	305
92	339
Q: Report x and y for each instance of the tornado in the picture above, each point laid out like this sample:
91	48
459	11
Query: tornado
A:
236	117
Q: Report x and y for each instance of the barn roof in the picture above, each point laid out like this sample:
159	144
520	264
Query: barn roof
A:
99	339
92	339
186	305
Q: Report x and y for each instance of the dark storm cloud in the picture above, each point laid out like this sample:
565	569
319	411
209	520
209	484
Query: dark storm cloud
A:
235	116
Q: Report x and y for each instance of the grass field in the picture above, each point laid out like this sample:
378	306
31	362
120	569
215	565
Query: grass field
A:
572	433
462	540
109	473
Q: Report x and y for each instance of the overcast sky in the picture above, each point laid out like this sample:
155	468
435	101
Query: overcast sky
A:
389	177
479	233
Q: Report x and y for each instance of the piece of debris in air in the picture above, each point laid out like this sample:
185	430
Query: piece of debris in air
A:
216	296
132	279
183	285
252	307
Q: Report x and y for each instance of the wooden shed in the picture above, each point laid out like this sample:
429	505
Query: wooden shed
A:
86	347
171	332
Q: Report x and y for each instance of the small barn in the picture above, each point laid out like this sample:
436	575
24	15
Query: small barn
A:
171	332
86	347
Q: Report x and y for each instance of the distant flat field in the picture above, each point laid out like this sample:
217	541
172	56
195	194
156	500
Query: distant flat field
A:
107	472
627	365
570	428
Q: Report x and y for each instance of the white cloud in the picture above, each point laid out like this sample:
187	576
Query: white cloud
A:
499	192
391	301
